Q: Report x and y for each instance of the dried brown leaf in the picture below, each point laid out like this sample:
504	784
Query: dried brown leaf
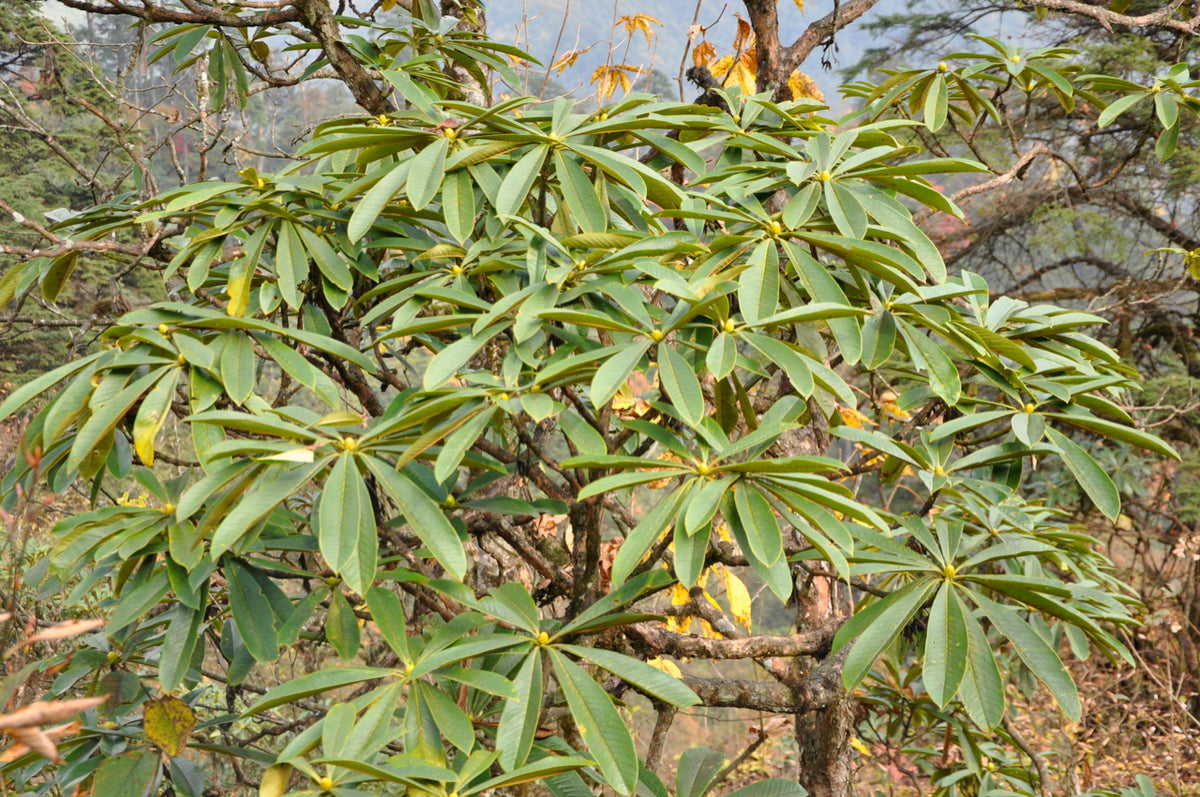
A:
45	712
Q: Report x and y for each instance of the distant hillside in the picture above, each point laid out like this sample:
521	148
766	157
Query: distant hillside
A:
590	25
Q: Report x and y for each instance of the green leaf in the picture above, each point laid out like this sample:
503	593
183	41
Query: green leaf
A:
1091	477
291	264
643	536
722	355
878	339
1118	107
388	613
519	719
237	366
758	285
928	356
945	646
982	691
681	385
615	370
891	615
579	194
772	787
252	611
153	414
604	732
697	768
1167	141
846	210
428	170
330	263
136	603
1035	652
649	679
105	418
446	363
936	103
518	181
760	524
458	204
373	202
36	387
127	775
347	525
315	683
270	492
183	634
423	515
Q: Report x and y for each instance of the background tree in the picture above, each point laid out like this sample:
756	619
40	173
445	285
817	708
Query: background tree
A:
516	384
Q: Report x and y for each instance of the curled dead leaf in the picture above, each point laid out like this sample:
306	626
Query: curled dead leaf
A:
45	712
64	631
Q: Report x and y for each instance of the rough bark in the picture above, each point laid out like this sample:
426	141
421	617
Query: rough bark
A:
777	61
318	18
469	88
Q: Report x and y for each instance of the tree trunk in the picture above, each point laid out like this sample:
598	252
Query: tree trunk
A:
473	19
823	738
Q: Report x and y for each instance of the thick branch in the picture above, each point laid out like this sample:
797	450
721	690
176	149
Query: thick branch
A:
318	17
1163	18
816	692
196	16
808	643
816	33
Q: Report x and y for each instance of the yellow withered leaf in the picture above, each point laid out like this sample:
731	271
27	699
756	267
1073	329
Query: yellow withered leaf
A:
275	780
739	600
636	22
852	417
803	87
666	665
168	722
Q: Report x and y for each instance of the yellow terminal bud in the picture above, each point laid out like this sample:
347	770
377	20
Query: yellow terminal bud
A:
163	329
349	443
1030	407
450	133
729	326
332	582
943	67
438	38
112	655
505	397
656	335
543	638
703	469
737	118
110	725
168	509
1156	90
325	782
456	270
450	502
603	115
1016	59
949	571
939	471
181	360
825	176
